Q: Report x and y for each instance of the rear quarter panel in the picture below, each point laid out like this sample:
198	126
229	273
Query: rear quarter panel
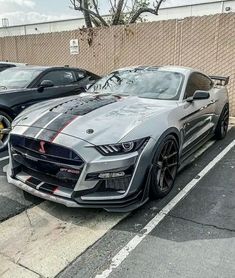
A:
221	97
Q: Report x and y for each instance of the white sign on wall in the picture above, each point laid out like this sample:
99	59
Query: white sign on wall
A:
74	47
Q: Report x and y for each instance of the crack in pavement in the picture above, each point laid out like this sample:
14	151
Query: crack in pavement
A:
35	272
16	263
11	215
202	224
32	231
2	273
30	223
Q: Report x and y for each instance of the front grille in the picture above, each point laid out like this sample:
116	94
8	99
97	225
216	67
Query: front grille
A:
57	166
45	150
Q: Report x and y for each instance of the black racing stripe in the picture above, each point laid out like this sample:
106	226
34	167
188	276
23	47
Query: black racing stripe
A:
69	110
45	119
60	122
31	132
53	129
47	135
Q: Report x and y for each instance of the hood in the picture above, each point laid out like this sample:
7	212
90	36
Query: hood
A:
97	119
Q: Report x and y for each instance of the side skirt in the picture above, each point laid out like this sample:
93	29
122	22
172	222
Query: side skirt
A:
188	157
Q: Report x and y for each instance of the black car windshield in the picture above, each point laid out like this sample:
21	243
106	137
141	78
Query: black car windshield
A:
145	83
17	78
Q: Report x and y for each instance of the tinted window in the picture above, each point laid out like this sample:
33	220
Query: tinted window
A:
60	77
196	82
17	77
145	83
92	76
80	75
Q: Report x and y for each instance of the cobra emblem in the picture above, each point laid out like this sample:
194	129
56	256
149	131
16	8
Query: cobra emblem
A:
42	147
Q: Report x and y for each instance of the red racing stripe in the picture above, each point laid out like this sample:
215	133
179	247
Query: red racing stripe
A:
62	128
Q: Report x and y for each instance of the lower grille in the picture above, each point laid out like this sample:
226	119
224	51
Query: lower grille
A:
51	168
120	184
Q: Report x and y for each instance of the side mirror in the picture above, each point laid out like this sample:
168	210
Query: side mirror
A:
199	95
45	84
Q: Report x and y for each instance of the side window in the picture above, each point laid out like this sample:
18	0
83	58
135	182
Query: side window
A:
80	75
196	82
93	76
60	77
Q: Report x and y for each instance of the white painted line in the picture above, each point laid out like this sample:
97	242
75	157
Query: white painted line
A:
132	244
4	158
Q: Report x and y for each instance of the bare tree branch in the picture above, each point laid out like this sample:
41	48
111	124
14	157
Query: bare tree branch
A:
87	18
95	21
95	4
112	6
118	12
83	9
122	11
146	10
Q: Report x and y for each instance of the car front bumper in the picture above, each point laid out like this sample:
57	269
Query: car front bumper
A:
87	192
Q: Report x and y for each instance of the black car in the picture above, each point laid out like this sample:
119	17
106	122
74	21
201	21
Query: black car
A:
4	66
21	87
7	65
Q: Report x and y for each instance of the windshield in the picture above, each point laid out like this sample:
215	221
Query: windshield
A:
17	78
145	83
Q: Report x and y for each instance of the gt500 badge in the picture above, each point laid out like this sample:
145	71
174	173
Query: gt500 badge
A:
71	171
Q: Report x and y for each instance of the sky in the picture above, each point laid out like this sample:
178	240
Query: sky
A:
33	11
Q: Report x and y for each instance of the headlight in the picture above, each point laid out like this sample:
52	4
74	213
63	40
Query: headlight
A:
122	148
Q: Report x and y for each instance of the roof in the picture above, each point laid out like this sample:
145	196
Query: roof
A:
179	69
12	63
42	68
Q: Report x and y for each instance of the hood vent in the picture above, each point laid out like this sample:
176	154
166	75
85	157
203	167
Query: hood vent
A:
83	105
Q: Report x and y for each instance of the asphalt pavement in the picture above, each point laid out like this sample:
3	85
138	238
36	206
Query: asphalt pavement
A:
12	200
196	238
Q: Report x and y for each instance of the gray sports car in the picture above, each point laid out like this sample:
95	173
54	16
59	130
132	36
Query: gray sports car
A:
120	143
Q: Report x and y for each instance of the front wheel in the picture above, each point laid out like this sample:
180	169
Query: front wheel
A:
165	166
222	126
5	128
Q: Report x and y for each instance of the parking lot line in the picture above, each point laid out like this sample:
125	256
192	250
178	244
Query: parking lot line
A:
134	242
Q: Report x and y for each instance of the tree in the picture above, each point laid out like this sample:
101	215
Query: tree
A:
121	11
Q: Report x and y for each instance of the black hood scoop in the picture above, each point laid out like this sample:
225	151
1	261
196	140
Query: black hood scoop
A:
83	105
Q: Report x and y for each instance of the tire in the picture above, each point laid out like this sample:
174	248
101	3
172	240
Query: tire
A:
5	127
222	125
165	166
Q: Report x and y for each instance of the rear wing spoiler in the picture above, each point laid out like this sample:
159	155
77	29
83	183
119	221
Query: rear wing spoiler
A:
220	80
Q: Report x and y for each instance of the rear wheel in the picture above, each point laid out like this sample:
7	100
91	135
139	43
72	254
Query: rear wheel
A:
165	166
5	128
222	126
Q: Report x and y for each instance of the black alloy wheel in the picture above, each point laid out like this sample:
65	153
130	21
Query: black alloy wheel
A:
222	126
165	166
